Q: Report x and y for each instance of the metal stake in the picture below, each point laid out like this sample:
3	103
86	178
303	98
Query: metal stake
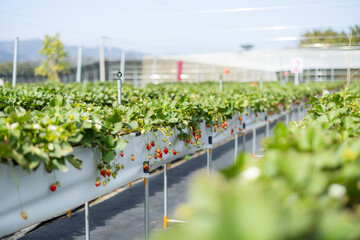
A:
221	83
15	62
102	60
165	196
87	229
119	86
209	155
146	208
78	70
236	147
254	142
244	141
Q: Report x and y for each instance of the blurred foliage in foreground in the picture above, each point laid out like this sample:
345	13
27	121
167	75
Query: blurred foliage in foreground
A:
307	186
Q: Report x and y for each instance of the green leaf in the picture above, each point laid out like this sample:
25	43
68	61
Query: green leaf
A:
120	144
133	125
117	127
109	156
76	162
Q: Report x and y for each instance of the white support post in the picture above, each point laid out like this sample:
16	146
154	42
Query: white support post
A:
102	60
15	62
267	129
165	197
221	83
296	80
122	63
236	147
87	219
209	156
146	208
78	70
244	141
254	142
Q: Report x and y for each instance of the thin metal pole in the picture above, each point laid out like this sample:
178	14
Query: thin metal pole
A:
122	63
221	83
209	156
119	84
78	70
254	142
165	196
146	208
267	129
15	62
296	79
87	229
236	147
102	60
244	141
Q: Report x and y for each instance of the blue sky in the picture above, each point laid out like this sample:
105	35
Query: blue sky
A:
171	26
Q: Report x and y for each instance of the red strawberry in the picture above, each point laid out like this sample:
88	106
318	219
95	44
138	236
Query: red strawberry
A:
153	143
191	142
240	118
148	147
225	124
269	121
256	114
53	187
174	152
199	135
24	215
103	172
146	167
239	129
97	183
108	172
247	114
160	155
155	156
132	157
122	154
208	125
158	150
194	133
187	140
166	151
196	138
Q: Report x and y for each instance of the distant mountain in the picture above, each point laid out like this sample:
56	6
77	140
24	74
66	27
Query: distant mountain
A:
29	51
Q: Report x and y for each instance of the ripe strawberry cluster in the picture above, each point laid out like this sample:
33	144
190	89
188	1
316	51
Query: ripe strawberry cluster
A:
107	171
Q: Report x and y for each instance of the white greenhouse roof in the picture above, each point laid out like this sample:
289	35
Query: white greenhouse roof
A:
276	60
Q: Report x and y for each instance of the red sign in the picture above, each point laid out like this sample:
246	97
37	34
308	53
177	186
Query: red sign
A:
179	70
285	73
226	70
